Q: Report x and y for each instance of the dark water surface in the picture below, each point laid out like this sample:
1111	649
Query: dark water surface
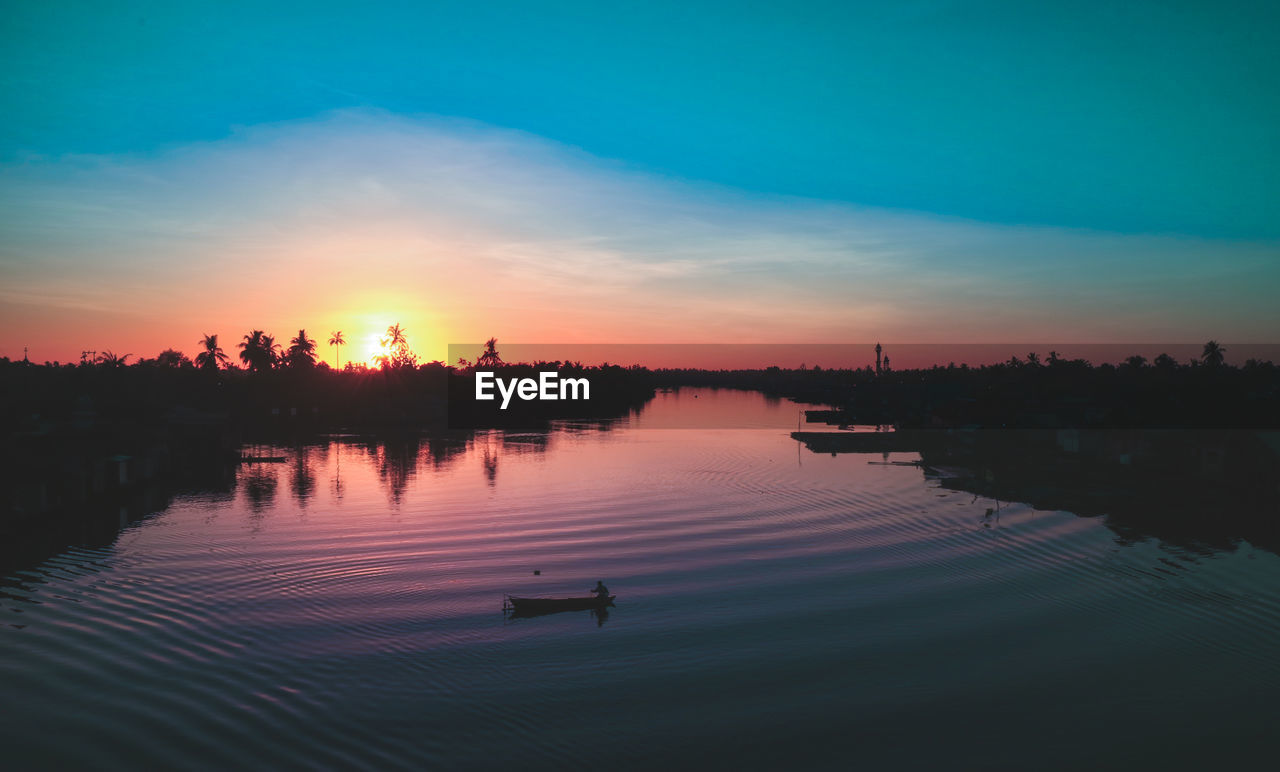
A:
776	609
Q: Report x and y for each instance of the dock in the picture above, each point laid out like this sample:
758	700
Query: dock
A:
857	442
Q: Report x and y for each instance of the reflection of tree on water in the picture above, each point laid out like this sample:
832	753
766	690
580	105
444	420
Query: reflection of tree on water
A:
442	451
339	488
1193	489
490	466
260	487
302	480
525	442
493	444
98	521
397	463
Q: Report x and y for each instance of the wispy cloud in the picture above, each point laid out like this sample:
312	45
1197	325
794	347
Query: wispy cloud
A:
500	232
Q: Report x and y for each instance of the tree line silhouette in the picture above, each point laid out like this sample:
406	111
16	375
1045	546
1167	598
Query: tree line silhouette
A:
64	428
1027	392
268	388
259	352
1032	390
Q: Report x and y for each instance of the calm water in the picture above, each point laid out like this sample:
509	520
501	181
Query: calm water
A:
776	608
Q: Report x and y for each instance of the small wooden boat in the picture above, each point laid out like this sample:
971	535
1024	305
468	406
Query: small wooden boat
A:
548	605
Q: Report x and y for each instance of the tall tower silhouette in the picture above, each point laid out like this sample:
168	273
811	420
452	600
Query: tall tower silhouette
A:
878	350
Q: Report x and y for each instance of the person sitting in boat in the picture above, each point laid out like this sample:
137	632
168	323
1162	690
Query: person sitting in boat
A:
600	590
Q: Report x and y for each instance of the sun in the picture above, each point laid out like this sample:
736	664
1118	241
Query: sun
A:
369	336
376	347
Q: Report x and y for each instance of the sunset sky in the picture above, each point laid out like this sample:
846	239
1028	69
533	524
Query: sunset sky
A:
914	172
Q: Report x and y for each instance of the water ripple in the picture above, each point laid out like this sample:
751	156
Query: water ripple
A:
318	624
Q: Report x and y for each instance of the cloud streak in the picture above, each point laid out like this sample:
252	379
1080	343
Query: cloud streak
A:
469	230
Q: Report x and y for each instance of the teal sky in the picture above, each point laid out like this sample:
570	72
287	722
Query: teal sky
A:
1104	121
1123	116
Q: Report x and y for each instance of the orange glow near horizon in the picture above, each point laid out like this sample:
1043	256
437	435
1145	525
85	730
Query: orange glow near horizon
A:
365	331
358	221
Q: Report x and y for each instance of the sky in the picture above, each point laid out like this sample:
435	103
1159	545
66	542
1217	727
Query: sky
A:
913	172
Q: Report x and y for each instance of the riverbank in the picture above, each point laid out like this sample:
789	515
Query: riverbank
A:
1213	485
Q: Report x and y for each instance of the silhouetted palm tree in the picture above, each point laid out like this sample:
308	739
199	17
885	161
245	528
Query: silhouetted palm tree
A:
395	337
273	349
489	357
397	347
302	351
212	356
336	340
109	359
251	349
1214	354
258	351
